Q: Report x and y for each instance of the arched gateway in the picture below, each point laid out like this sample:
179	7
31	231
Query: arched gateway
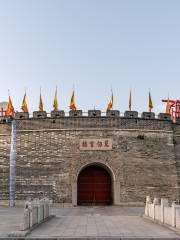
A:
94	186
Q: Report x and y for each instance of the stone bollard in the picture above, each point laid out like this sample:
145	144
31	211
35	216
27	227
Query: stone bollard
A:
46	208
27	204
148	201
178	218
40	211
26	220
175	207
33	216
155	202
164	203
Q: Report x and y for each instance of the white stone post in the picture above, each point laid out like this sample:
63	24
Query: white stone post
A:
175	207
26	220
155	202
164	203
34	216
148	201
40	211
178	218
173	214
46	208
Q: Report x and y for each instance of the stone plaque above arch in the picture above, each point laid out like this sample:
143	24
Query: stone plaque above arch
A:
95	144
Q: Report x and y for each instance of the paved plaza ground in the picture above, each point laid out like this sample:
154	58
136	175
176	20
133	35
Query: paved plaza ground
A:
89	223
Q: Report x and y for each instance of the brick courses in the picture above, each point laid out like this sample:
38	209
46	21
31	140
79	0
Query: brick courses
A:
145	159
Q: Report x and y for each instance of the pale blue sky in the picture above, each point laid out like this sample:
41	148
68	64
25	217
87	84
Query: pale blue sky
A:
93	45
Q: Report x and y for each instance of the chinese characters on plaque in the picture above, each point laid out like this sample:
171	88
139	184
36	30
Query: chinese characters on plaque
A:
96	144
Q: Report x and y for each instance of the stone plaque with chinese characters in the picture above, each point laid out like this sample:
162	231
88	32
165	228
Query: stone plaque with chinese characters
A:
96	144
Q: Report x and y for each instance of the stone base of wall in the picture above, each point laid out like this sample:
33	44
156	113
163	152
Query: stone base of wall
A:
20	203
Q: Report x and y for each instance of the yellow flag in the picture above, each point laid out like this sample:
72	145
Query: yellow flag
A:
24	104
150	103
10	108
55	104
130	101
72	103
110	104
168	107
40	104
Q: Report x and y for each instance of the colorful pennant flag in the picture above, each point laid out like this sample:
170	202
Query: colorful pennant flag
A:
110	104
55	103
168	107
24	104
10	108
72	103
40	104
150	102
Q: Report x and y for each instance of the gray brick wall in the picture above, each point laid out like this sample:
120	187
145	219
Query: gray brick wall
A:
5	139
145	158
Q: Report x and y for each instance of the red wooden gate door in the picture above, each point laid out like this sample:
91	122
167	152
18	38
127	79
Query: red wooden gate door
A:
94	186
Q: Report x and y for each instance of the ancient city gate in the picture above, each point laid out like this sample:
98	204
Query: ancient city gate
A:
94	186
54	155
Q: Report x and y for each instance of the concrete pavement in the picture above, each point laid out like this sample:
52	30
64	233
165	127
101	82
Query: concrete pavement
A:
89	223
101	222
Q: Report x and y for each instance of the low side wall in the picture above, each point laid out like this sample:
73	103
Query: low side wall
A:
35	212
161	211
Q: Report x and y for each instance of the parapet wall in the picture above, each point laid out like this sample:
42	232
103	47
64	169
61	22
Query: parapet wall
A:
94	113
58	120
161	211
87	122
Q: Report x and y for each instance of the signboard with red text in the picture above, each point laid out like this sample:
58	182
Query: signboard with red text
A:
96	144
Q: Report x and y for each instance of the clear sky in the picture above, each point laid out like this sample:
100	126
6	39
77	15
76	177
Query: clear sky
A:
93	45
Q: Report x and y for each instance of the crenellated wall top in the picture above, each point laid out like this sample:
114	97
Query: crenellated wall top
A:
93	119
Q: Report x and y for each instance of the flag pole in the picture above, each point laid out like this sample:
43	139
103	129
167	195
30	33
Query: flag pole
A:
130	100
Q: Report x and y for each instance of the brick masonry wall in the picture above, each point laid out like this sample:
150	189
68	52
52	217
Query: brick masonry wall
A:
176	142
143	159
5	140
